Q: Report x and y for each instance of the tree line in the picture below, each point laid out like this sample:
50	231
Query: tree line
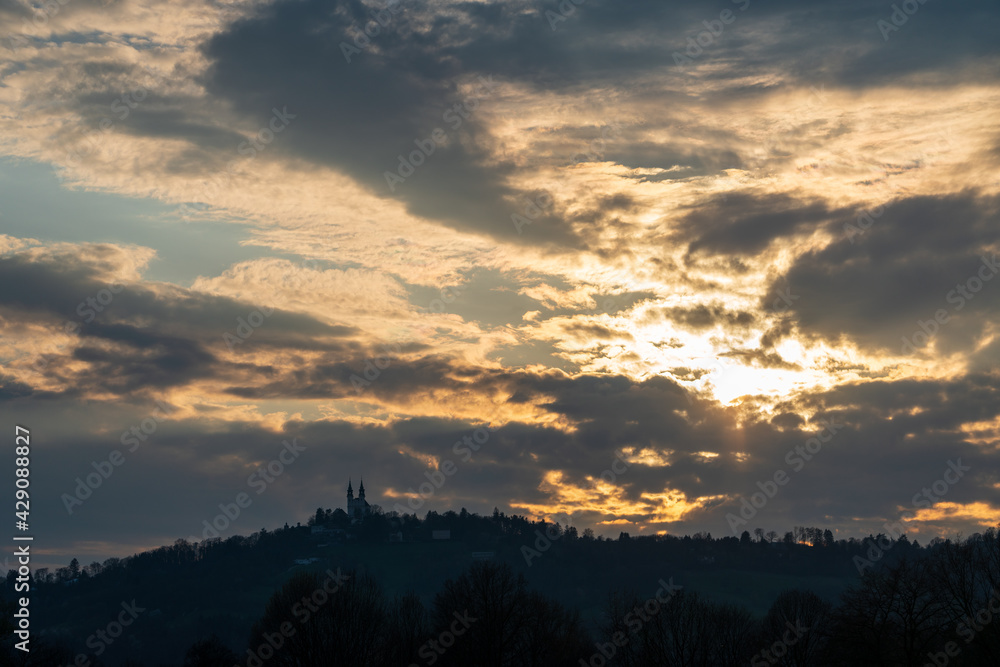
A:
909	605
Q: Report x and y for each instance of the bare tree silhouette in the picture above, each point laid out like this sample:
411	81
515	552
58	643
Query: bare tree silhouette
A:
511	626
789	614
893	618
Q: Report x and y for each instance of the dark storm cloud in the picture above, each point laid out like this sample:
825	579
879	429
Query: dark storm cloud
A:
47	288
180	339
810	43
876	456
884	460
174	124
842	44
591	331
897	439
937	41
745	223
144	359
702	316
943	405
762	359
359	116
122	97
11	388
912	262
65	286
373	375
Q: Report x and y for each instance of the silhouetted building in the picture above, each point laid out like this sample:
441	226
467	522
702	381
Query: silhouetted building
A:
357	508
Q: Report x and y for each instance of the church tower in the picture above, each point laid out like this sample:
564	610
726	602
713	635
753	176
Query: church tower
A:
357	508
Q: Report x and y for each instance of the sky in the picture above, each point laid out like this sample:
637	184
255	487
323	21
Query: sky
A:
634	266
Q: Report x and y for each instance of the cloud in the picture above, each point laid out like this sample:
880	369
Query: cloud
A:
909	265
744	223
378	106
635	315
702	316
131	336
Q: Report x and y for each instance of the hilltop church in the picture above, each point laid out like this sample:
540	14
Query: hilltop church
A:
357	508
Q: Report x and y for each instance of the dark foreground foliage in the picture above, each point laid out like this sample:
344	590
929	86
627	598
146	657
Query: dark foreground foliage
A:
906	606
